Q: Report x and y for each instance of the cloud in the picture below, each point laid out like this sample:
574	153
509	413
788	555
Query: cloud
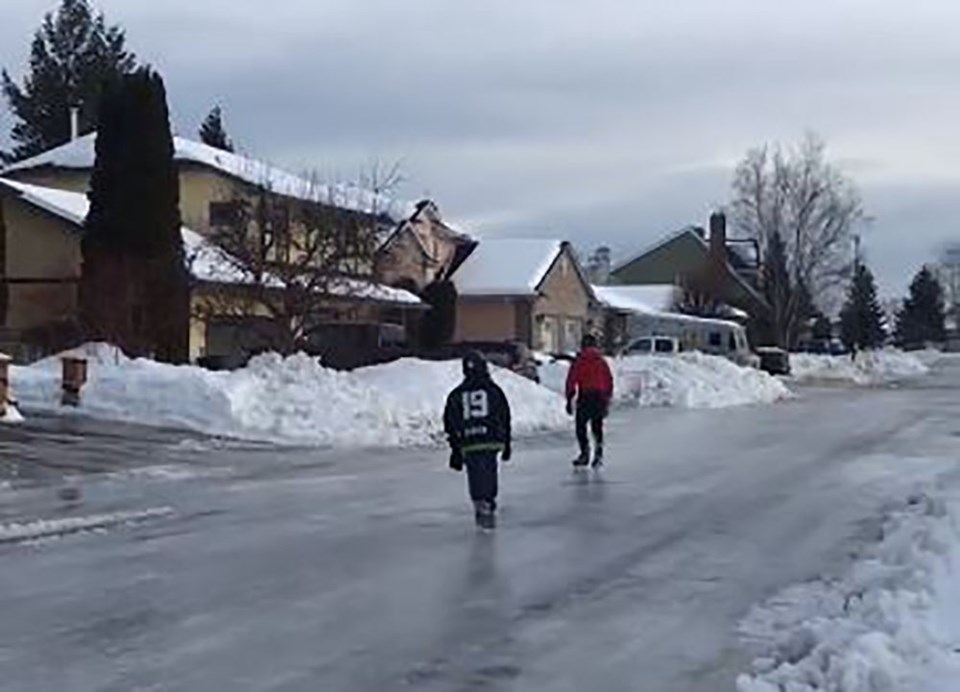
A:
607	122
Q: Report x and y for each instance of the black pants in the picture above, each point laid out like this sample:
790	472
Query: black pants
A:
482	476
591	409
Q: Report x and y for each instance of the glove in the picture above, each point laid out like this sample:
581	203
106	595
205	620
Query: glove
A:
456	459
569	407
507	452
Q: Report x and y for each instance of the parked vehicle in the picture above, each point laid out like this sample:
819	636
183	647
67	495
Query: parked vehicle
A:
707	335
774	360
652	345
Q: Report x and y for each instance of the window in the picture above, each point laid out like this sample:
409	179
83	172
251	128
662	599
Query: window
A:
664	346
641	346
733	341
715	339
572	332
224	213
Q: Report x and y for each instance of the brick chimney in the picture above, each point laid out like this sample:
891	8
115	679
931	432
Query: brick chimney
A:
718	236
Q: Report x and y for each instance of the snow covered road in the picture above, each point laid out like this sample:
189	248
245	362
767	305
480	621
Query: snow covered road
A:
304	569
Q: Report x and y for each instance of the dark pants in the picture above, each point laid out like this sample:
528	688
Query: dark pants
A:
482	476
591	409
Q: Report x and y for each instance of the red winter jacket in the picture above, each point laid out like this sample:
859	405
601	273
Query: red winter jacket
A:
590	373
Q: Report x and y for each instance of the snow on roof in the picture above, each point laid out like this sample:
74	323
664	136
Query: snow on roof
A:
506	266
654	300
207	261
69	205
651	298
81	154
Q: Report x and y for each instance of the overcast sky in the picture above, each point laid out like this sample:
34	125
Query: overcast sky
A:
605	122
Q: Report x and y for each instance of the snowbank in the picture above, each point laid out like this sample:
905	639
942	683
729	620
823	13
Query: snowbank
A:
870	367
290	400
687	380
889	625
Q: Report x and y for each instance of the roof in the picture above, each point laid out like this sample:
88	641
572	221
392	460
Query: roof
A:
208	262
652	298
81	154
694	232
507	267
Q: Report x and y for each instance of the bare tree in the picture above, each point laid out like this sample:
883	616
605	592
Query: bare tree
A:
287	262
797	195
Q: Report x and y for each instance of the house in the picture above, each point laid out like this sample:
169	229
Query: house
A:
714	269
531	291
422	249
43	205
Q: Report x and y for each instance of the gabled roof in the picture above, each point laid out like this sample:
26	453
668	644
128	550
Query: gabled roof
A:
208	261
507	267
80	154
695	233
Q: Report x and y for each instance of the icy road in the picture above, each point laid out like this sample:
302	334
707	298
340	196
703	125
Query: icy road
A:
198	566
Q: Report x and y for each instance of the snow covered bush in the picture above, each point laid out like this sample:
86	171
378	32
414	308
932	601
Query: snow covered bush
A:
870	367
293	399
688	380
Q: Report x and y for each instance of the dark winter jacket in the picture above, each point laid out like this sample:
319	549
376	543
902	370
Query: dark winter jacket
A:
590	373
477	416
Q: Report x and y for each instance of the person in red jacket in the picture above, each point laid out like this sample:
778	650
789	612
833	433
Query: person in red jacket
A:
590	382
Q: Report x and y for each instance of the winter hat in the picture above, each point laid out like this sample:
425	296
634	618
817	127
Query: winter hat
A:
588	341
474	365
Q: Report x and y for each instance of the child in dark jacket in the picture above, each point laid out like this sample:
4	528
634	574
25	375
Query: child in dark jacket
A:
590	382
477	422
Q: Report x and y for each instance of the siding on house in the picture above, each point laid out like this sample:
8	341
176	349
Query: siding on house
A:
664	264
41	266
486	320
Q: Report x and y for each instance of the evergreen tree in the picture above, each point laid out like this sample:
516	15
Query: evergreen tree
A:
923	317
861	319
134	289
73	53
213	133
440	320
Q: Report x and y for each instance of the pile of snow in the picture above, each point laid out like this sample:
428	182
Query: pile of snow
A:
292	400
11	415
870	367
687	380
891	624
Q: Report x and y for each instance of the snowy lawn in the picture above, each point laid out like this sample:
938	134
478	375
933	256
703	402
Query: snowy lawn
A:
870	367
892	624
288	400
688	380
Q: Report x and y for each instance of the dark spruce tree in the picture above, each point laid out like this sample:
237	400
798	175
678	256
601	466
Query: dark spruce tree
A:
440	321
73	53
861	319
923	317
213	133
135	289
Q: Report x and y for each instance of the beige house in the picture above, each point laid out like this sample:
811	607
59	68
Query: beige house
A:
43	204
421	249
531	291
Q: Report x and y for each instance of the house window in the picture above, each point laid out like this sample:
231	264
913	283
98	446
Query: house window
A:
571	335
224	213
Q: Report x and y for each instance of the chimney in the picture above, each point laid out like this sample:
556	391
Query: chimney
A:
718	235
74	123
